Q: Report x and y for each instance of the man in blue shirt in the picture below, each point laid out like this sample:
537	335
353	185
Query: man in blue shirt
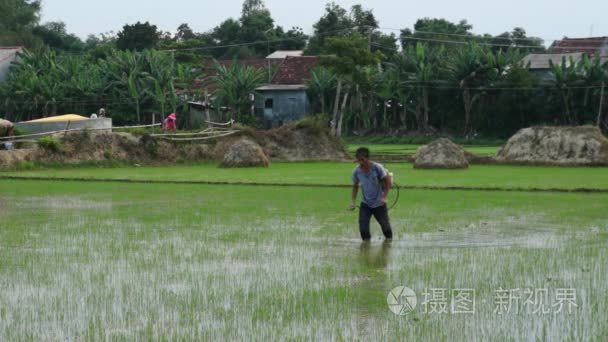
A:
375	184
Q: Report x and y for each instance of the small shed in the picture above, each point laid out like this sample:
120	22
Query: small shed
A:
285	99
282	103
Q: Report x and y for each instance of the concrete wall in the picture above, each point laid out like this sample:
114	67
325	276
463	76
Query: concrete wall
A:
43	127
288	105
7	56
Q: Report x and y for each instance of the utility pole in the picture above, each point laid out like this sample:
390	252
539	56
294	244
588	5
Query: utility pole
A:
268	54
599	113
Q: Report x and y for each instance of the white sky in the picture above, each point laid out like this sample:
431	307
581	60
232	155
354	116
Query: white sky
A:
547	19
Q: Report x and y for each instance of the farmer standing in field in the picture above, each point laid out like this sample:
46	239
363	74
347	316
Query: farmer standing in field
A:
375	184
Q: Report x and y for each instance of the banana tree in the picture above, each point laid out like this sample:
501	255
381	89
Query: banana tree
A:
566	76
467	68
421	69
602	94
592	74
235	85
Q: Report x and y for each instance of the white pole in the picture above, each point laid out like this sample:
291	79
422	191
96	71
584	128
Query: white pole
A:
599	113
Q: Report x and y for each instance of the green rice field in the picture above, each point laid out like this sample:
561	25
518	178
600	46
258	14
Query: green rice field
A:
477	176
85	255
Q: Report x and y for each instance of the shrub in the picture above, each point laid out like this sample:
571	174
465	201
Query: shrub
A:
50	144
25	166
317	123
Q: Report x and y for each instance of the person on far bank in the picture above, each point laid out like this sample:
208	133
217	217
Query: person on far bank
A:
375	185
170	123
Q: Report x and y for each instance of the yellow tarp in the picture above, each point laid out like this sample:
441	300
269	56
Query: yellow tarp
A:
62	118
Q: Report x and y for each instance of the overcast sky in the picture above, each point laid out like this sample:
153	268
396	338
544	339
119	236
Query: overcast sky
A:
547	19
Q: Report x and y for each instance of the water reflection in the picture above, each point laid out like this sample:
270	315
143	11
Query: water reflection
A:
370	297
375	257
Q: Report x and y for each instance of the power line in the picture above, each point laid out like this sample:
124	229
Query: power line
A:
465	43
468	35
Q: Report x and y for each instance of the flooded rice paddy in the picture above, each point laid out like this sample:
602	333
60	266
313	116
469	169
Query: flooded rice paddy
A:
99	261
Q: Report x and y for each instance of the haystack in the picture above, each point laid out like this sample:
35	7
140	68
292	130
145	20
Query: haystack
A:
441	154
582	145
245	153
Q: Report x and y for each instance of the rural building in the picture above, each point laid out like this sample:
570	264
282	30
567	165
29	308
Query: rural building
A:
282	99
591	46
285	99
282	54
539	63
8	55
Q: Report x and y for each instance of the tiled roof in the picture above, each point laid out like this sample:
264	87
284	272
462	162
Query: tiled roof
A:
295	70
260	63
590	45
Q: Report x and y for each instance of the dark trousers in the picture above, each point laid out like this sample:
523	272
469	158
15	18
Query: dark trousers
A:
380	214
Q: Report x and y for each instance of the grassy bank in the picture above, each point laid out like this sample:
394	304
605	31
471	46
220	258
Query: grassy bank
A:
477	176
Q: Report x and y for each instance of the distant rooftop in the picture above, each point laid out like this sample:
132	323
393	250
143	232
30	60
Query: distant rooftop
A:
591	45
541	61
295	70
282	54
282	87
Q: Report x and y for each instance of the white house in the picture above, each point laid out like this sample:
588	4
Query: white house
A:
8	54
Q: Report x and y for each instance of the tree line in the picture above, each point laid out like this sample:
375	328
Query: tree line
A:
438	76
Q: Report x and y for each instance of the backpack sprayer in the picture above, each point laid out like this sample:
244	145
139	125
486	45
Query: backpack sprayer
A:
393	186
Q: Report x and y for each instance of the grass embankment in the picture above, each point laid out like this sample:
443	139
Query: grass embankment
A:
477	176
108	261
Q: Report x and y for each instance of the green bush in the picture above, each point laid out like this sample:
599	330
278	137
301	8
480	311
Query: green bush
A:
50	144
85	134
18	131
317	123
25	166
